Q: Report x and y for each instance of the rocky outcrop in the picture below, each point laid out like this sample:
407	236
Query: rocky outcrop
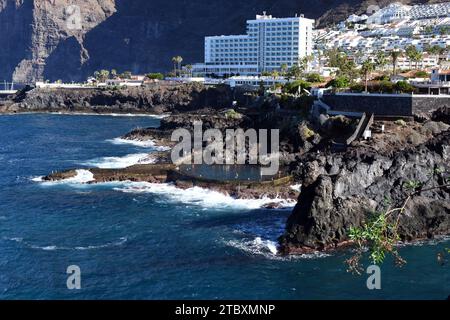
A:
157	99
341	191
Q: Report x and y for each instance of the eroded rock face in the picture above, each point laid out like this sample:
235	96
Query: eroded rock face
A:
42	35
158	98
135	35
340	191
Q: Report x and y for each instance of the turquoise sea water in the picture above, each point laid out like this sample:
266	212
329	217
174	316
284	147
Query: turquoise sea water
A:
142	241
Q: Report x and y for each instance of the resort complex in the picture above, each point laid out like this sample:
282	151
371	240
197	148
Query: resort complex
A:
269	43
394	27
394	50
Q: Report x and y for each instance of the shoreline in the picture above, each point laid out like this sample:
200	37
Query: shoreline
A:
167	173
339	189
75	113
273	203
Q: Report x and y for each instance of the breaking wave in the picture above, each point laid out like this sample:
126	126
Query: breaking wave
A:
149	144
259	238
268	249
82	177
117	243
120	162
201	197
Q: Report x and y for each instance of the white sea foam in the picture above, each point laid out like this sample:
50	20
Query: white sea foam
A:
117	243
192	196
82	177
430	242
268	249
200	196
256	246
149	144
120	162
296	187
155	116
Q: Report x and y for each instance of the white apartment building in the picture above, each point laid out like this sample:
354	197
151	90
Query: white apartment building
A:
397	12
268	44
427	62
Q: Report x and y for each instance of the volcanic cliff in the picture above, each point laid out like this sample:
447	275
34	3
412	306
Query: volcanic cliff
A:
45	39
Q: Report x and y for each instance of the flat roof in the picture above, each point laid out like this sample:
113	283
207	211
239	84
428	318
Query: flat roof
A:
272	19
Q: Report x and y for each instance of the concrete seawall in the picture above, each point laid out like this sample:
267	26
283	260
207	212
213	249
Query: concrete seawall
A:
402	105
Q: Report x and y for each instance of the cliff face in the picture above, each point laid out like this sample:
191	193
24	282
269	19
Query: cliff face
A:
343	190
47	39
43	35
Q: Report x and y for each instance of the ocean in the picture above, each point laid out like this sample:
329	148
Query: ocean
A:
148	241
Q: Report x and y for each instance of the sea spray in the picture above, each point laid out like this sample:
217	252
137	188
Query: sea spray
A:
120	162
201	197
149	144
82	177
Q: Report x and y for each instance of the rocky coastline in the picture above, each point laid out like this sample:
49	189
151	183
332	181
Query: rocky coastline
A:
157	98
339	190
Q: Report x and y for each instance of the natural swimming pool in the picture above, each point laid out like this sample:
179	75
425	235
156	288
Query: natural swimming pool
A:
244	173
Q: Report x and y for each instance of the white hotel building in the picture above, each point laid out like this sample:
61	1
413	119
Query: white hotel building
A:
269	43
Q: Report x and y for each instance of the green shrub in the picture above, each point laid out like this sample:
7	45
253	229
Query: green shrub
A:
306	132
339	82
314	78
357	87
386	86
401	123
382	78
233	114
421	74
296	86
155	76
404	87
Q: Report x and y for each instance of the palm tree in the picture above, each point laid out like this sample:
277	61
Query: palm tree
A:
295	72
436	51
189	70
319	58
418	57
306	61
101	75
395	54
177	60
284	69
411	52
381	60
275	74
366	70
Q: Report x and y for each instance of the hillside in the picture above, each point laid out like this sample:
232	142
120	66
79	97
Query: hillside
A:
134	35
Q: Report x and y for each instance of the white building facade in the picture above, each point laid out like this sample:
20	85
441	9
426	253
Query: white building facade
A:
268	44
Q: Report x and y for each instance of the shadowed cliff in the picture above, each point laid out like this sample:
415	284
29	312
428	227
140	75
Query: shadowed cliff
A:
133	35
